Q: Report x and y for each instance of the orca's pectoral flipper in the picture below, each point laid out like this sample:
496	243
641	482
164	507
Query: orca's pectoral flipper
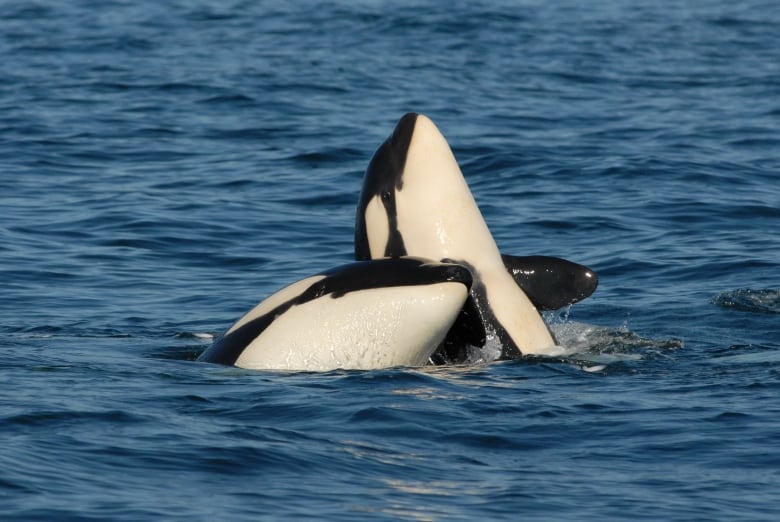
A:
551	282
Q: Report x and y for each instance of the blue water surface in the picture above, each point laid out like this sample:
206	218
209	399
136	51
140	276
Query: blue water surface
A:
164	166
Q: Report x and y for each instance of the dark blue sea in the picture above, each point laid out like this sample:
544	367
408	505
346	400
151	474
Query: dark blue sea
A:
164	166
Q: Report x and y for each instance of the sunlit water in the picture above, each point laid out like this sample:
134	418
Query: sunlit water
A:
164	167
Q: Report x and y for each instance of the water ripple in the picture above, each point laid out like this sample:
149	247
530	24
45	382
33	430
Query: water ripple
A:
761	301
164	169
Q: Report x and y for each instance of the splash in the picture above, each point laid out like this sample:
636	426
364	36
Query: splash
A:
596	348
584	338
763	301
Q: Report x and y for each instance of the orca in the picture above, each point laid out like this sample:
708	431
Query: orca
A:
415	202
363	315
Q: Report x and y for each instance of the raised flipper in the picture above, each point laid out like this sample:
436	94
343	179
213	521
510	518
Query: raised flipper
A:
551	282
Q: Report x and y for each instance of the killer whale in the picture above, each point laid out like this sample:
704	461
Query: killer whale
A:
415	201
364	315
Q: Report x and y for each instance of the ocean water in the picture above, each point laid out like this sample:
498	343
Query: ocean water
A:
166	166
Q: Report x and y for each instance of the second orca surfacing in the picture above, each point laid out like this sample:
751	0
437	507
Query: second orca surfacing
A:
415	202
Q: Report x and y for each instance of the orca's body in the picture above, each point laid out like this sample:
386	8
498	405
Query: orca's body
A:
415	202
365	315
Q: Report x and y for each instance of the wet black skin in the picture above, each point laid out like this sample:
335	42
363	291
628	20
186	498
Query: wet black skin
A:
551	282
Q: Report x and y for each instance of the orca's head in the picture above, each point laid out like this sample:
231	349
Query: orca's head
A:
412	192
376	223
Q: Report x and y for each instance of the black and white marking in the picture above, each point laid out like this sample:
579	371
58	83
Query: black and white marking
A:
416	202
365	315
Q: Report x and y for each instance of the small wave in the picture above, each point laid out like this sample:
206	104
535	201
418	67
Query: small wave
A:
68	417
205	336
193	345
580	338
594	348
747	354
765	301
229	99
71	331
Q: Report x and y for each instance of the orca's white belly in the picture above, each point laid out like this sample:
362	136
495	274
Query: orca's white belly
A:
366	329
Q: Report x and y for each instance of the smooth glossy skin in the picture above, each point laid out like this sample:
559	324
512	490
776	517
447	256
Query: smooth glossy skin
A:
551	282
365	315
415	201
